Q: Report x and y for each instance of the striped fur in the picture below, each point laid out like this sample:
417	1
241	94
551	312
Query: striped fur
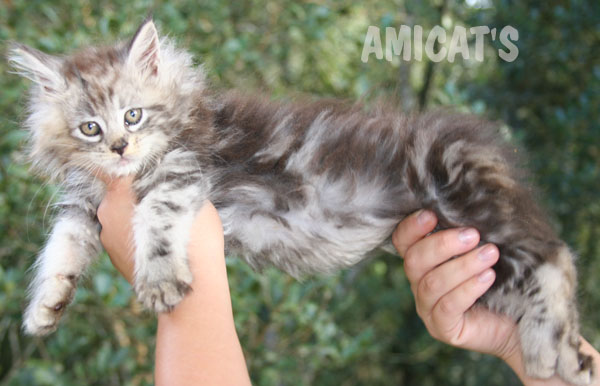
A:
306	186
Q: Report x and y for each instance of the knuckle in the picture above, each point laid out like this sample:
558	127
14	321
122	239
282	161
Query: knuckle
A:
404	234
420	312
409	255
398	242
430	284
446	306
445	332
454	340
410	263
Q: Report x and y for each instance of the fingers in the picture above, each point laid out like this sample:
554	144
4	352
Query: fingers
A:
435	249
119	196
442	280
448	313
412	229
446	288
119	184
115	213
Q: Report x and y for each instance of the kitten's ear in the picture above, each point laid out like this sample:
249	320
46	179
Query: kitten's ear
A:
37	66
144	49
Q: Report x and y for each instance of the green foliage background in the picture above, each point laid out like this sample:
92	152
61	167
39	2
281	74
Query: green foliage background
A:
358	327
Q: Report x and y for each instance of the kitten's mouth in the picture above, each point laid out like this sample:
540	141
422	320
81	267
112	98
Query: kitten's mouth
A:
124	165
124	161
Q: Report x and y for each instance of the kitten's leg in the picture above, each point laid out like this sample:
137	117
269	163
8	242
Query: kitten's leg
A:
72	245
552	313
458	170
161	226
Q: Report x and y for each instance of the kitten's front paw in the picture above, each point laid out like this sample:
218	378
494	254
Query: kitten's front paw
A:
162	296
163	277
48	304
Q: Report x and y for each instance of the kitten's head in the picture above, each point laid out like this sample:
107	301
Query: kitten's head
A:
109	109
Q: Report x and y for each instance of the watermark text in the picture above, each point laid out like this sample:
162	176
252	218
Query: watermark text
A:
407	43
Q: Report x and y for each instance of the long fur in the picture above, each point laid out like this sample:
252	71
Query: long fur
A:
306	186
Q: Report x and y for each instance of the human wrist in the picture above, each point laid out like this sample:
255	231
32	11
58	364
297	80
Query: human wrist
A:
512	355
514	360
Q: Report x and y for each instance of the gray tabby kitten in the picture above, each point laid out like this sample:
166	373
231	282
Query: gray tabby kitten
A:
308	187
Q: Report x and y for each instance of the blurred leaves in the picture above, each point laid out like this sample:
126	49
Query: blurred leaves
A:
359	326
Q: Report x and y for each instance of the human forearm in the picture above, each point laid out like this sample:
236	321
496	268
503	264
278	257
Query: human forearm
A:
197	343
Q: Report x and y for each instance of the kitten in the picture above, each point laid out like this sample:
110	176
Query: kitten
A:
308	187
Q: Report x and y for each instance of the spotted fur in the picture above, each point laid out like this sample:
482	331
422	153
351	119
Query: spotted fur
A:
306	186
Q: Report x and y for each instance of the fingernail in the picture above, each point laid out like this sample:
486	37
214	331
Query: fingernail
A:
424	217
486	276
488	253
466	236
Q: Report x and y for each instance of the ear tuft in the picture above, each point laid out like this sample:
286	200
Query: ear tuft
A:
37	66
144	49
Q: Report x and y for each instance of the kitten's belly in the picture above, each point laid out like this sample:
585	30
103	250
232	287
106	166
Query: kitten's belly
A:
330	227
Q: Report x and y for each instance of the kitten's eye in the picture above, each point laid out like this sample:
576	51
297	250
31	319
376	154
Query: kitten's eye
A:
90	129
133	116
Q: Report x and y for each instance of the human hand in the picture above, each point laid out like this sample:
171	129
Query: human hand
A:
115	213
445	289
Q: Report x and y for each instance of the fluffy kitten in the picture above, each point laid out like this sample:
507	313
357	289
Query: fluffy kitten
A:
308	187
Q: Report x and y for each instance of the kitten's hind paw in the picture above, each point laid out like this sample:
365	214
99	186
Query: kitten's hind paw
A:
48	305
577	369
561	355
162	296
542	365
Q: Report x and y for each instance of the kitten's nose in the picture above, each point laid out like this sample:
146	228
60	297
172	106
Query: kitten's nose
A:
119	146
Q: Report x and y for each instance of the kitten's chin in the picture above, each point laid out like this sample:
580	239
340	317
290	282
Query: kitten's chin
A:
123	167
